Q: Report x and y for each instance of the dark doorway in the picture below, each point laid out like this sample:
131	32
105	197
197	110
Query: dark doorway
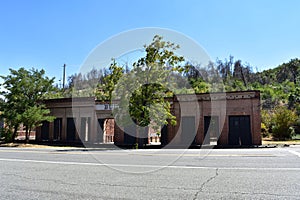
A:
211	129
164	135
100	130
45	130
71	129
239	130
130	134
57	129
188	130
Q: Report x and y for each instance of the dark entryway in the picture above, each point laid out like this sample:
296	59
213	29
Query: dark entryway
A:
211	129
164	135
130	134
57	129
100	130
71	129
45	130
239	130
188	134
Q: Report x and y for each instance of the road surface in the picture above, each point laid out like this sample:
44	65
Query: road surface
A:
74	173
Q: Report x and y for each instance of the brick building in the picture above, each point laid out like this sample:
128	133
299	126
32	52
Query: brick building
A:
231	118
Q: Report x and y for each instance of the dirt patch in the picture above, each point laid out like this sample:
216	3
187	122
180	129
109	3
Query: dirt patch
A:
289	142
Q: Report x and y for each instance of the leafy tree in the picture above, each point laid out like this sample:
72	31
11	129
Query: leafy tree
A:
144	89
266	121
199	85
11	115
107	85
294	98
24	91
34	116
291	70
283	119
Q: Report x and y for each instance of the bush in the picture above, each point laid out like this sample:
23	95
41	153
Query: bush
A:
266	119
283	119
6	135
264	130
297	126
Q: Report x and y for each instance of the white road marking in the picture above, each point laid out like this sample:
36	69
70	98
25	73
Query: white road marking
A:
141	153
294	152
144	166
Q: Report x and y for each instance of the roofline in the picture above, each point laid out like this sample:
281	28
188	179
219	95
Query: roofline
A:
80	99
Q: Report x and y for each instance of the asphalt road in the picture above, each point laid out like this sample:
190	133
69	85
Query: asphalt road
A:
66	173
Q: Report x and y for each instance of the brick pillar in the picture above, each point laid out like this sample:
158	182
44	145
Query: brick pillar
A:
118	135
93	133
256	122
223	139
200	131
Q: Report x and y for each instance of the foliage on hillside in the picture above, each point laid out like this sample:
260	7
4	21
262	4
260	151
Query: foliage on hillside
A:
279	87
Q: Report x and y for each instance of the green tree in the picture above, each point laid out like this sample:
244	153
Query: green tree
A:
294	67
266	121
24	91
34	116
294	98
283	119
144	89
107	85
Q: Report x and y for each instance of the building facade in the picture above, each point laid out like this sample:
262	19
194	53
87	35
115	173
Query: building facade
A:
231	118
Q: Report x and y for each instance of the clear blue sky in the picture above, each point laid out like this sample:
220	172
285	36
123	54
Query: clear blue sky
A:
48	33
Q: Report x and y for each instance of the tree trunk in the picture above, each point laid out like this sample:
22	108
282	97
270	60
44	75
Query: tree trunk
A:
295	78
243	77
14	133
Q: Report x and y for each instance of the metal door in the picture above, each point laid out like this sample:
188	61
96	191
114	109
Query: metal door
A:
188	130
239	130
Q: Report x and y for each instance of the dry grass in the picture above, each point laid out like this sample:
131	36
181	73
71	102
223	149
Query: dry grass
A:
288	142
22	145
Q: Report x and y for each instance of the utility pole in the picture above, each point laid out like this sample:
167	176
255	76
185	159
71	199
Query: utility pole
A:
64	75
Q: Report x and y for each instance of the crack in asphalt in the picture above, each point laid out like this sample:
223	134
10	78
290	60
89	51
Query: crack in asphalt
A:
205	182
258	193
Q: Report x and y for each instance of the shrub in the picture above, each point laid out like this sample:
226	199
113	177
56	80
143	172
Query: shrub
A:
264	130
283	119
6	135
266	119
